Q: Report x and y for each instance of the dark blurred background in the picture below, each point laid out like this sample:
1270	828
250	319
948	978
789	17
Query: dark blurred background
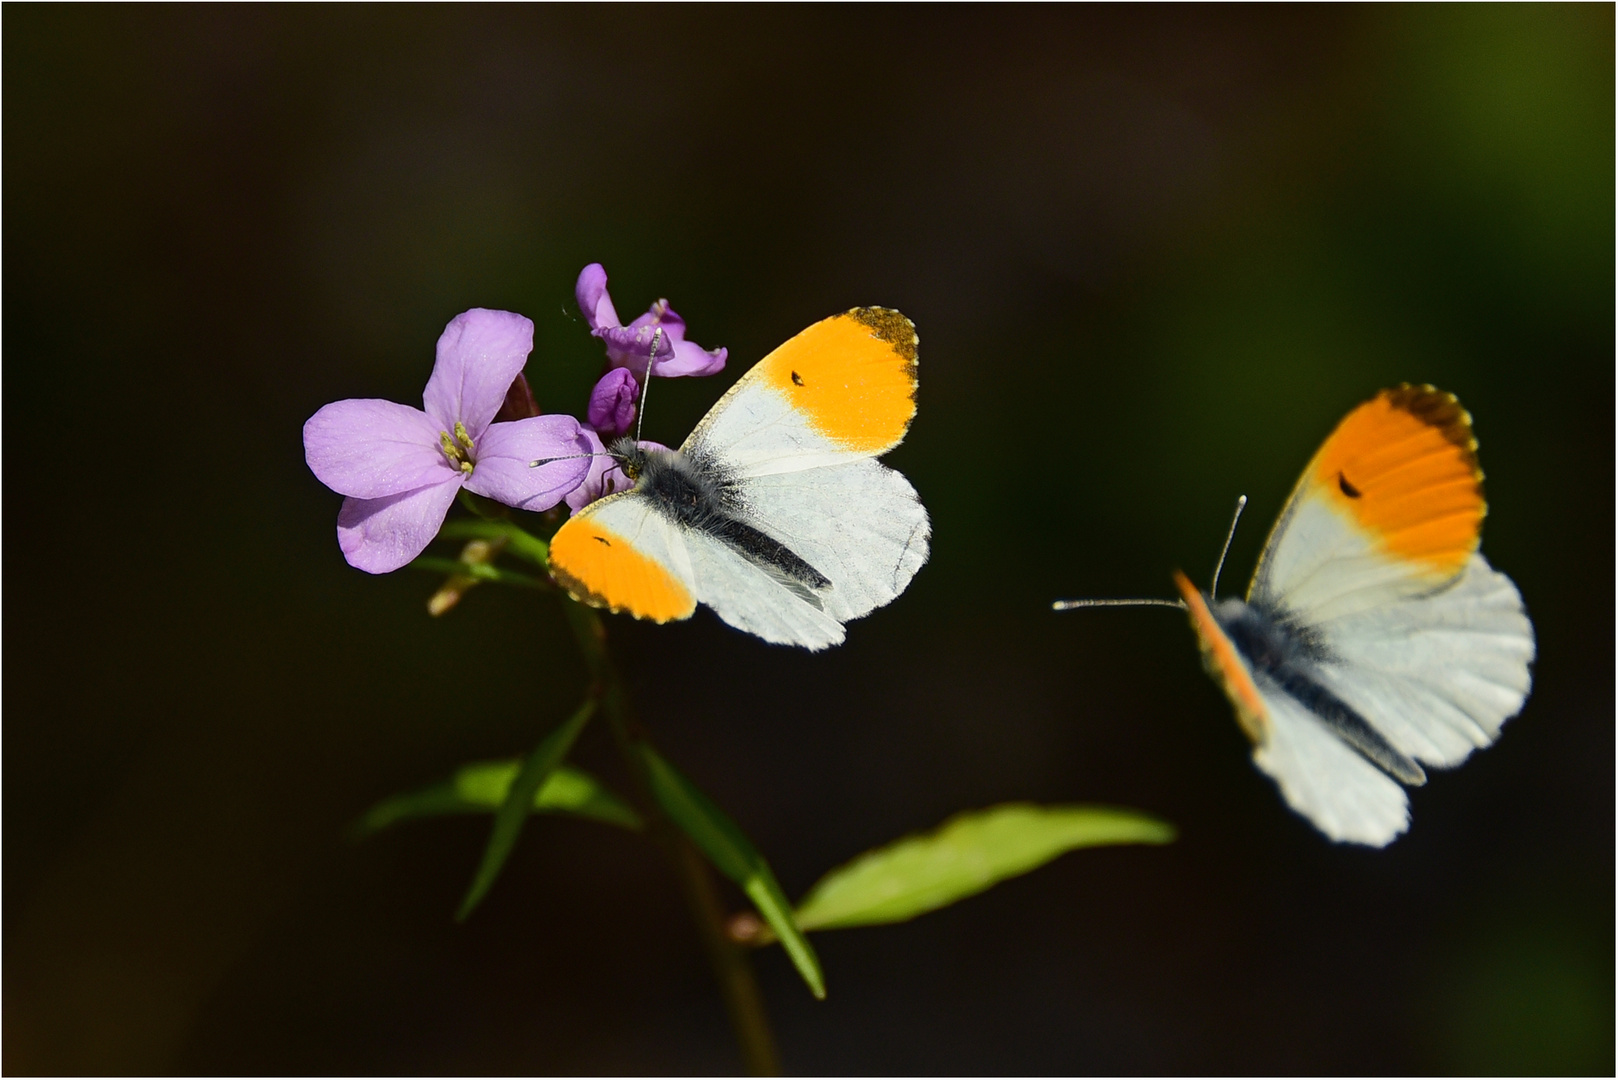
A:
1153	253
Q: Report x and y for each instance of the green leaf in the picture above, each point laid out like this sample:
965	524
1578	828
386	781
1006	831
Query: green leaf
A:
520	542
736	858
519	801
481	787
966	855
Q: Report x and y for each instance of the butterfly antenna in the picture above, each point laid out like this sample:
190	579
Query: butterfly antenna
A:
568	457
640	414
1241	503
1069	605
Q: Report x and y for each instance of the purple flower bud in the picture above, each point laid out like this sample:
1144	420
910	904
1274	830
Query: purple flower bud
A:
520	403
612	403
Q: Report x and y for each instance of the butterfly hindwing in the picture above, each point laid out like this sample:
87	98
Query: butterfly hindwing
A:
1438	674
620	553
869	556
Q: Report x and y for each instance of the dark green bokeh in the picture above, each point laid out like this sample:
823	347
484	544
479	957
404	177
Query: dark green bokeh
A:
1153	254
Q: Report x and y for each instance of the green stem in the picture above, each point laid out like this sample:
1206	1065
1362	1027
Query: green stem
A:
731	965
522	542
477	571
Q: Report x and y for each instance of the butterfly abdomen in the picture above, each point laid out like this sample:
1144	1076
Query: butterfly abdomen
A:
1287	656
693	491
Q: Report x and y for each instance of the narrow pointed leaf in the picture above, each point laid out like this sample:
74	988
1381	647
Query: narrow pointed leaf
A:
519	801
480	788
966	855
569	789
735	857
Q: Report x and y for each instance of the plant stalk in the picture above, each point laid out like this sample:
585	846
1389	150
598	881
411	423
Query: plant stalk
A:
730	962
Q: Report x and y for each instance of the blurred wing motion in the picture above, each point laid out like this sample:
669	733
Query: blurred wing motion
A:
1374	637
774	512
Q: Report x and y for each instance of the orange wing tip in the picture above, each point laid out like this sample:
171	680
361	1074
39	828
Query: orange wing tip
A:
890	326
1220	660
852	377
1404	468
1441	410
599	567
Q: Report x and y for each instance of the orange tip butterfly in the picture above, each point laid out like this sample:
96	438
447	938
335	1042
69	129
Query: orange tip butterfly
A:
1374	638
774	512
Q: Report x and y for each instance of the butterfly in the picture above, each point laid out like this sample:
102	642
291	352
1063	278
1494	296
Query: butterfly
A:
774	512
1374	639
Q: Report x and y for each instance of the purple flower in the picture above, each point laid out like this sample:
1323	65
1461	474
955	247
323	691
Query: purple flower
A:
400	467
631	346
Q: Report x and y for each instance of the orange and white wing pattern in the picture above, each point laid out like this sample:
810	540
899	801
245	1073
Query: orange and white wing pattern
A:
1420	634
842	390
1390	506
621	554
1375	638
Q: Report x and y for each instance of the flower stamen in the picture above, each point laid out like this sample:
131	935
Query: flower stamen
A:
457	450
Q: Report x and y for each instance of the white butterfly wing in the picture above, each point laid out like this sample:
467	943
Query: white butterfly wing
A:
860	524
752	598
1438	674
1324	779
620	553
1320	775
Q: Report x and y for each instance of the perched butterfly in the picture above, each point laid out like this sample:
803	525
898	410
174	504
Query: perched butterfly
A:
1374	638
775	512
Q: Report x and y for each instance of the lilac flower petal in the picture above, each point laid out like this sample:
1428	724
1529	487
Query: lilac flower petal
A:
591	488
612	402
660	314
503	454
630	348
480	354
381	535
591	293
692	359
367	448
